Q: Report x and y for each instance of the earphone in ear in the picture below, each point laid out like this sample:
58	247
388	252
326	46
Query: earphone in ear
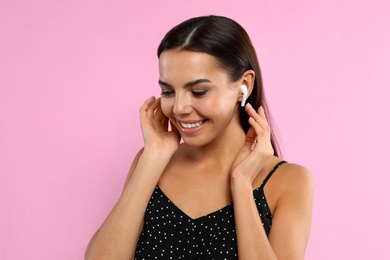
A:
244	91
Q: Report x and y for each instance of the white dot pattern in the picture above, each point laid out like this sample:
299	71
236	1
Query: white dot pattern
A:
169	233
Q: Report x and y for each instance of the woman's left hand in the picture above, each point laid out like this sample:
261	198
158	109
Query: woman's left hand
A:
256	150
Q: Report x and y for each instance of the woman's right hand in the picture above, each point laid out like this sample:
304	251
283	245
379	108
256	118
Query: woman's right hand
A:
117	238
154	126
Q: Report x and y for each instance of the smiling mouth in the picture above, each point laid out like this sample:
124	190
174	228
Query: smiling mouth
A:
192	125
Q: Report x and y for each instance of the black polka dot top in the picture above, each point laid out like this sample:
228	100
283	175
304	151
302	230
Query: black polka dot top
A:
168	233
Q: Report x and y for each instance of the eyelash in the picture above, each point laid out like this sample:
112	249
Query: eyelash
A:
168	93
199	93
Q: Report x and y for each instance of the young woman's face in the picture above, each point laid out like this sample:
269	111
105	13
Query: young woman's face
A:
197	96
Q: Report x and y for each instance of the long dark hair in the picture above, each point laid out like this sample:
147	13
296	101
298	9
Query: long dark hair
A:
230	44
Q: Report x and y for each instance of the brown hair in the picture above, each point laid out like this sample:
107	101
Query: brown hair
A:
230	44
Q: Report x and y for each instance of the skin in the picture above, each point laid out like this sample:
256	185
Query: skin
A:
216	164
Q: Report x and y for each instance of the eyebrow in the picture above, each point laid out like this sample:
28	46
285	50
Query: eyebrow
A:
188	84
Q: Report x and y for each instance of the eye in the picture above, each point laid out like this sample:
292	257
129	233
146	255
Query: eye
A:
199	93
167	93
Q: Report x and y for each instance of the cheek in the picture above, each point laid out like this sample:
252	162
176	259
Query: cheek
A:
166	107
220	109
225	102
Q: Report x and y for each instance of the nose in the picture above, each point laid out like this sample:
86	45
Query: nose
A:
182	105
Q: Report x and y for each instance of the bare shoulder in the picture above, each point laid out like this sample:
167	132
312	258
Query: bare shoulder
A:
296	174
293	188
133	166
295	181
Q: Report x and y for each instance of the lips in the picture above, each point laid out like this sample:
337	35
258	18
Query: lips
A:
191	125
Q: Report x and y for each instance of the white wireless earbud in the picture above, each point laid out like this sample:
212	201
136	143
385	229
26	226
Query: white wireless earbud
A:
244	94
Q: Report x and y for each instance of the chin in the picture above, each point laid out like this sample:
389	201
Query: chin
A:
194	143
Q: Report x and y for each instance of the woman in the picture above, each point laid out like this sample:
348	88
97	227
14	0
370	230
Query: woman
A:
210	196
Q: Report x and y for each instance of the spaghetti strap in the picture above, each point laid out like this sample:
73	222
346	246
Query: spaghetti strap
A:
271	172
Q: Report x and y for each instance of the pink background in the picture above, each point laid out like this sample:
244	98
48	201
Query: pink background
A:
74	73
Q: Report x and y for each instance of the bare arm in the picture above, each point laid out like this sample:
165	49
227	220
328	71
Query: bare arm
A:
292	215
291	218
118	236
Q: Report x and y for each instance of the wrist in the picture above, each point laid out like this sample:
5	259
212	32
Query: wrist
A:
240	185
154	159
156	153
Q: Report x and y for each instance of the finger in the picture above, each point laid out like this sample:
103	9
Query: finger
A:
262	145
258	117
152	108
174	129
250	138
251	134
259	124
161	118
145	106
147	103
258	130
159	115
165	122
261	112
264	117
155	104
252	112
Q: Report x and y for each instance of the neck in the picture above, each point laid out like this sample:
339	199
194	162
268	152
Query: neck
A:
221	151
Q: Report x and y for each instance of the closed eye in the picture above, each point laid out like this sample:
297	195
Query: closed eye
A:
167	93
199	93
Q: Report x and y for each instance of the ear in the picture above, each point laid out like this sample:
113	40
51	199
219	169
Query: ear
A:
247	79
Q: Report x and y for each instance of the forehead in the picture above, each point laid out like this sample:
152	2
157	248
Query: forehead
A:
184	66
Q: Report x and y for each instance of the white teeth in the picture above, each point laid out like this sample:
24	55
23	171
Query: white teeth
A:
189	126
